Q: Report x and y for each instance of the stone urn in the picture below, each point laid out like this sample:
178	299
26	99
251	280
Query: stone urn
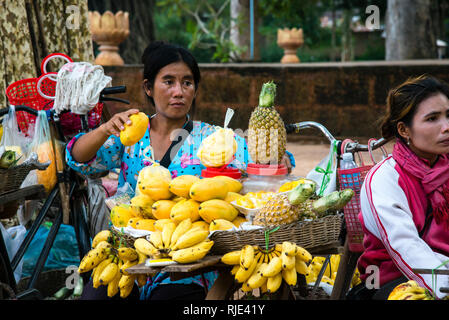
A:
108	31
290	40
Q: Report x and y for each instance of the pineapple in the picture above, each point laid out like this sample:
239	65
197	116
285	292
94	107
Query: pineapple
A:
299	204
267	137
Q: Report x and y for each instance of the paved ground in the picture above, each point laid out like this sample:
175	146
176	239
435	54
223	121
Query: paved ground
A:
308	155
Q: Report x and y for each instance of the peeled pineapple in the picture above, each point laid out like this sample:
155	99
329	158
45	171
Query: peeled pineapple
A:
267	137
219	148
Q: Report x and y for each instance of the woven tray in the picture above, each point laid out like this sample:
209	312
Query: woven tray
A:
307	234
12	178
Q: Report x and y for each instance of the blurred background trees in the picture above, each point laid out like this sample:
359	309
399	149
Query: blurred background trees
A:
334	30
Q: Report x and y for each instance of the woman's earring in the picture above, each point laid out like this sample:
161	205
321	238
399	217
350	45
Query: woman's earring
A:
408	141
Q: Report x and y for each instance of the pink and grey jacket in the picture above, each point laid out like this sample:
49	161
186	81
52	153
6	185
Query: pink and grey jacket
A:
400	232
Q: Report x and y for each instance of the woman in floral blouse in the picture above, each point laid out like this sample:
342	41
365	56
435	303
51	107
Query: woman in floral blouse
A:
171	78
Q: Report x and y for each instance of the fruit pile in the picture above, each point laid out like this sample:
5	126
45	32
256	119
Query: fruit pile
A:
255	267
108	260
254	200
160	200
410	290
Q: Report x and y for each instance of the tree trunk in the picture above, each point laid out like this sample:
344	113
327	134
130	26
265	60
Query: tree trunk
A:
240	33
410	30
141	25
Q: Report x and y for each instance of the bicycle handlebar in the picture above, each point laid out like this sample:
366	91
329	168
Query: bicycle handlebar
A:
349	147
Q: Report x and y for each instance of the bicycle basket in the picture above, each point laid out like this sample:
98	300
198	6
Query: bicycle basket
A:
24	92
353	178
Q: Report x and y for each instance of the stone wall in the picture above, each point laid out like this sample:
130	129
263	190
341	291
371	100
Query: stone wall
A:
347	98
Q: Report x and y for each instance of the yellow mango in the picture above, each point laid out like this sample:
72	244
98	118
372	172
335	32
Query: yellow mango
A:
233	184
207	189
145	224
142	204
46	177
232	196
220	224
180	185
161	209
121	214
132	222
156	189
133	132
185	209
200	223
217	209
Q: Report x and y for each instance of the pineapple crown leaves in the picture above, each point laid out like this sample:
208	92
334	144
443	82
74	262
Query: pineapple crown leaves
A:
267	94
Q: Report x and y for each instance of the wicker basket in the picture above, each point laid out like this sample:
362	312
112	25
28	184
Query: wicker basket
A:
13	177
307	234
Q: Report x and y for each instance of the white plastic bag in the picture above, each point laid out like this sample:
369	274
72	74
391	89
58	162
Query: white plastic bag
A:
98	215
13	138
13	238
325	173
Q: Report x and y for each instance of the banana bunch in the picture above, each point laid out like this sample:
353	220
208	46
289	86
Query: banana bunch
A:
410	290
266	269
109	261
183	243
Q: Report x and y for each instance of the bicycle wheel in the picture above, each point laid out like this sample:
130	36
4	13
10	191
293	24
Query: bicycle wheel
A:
79	216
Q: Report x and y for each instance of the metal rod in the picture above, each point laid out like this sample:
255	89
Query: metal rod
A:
32	232
45	250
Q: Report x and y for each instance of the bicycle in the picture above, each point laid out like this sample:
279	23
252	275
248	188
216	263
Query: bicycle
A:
351	229
73	208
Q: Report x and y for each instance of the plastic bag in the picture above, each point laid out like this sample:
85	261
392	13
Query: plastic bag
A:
98	215
325	173
13	238
43	146
13	138
63	253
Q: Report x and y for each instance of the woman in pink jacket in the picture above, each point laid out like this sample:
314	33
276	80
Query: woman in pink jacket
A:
405	197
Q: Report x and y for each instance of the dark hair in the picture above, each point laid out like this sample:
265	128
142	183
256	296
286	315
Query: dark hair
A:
403	101
158	54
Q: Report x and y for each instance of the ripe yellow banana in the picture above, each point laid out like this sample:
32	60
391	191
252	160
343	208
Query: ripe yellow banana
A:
246	256
273	283
144	246
289	248
98	269
128	264
109	273
290	276
182	228
231	258
194	253
274	267
93	259
156	239
256	280
167	232
101	236
103	244
126	280
288	262
191	238
127	254
243	274
303	254
113	289
142	257
301	267
235	269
